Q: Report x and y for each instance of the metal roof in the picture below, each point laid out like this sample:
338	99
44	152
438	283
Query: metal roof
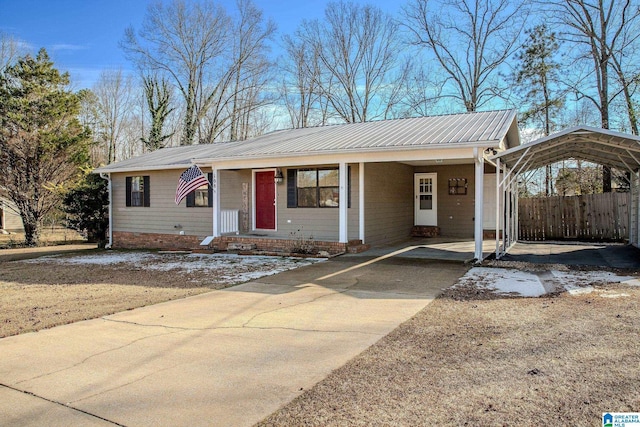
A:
600	146
488	129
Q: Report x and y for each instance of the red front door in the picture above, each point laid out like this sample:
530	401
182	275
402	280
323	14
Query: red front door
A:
265	201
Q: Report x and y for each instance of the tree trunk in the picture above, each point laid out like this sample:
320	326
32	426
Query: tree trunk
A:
31	232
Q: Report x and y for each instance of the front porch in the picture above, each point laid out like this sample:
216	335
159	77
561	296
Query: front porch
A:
374	203
433	248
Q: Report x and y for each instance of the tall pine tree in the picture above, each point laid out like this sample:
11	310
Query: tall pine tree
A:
41	140
535	77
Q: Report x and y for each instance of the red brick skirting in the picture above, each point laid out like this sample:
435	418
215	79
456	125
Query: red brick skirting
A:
128	240
490	234
173	242
277	245
425	231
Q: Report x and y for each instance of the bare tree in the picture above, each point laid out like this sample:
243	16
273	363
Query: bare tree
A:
9	49
113	92
602	32
422	92
251	67
300	89
240	92
157	96
186	42
217	62
357	48
89	119
470	40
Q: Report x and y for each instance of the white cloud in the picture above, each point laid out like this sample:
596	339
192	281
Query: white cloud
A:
68	47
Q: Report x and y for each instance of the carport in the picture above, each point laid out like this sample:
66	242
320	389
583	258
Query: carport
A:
600	146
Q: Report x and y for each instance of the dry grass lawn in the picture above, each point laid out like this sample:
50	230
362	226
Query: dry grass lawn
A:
38	293
39	296
475	361
49	236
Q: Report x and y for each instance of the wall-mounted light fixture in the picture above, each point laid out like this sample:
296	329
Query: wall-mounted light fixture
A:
490	151
278	176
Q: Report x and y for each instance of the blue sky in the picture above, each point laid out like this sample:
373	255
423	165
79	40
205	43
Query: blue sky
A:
82	36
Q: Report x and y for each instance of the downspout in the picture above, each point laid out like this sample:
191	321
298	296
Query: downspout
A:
108	178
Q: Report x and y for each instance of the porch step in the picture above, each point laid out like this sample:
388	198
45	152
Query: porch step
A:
356	246
234	246
425	231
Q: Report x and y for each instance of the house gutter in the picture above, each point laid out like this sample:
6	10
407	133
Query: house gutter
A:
108	178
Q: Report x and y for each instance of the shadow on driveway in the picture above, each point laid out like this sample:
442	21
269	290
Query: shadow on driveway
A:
577	254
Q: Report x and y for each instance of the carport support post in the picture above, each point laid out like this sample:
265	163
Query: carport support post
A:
343	205
479	202
215	190
498	253
361	201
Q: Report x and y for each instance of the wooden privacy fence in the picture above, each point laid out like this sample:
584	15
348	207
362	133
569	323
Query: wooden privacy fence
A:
587	217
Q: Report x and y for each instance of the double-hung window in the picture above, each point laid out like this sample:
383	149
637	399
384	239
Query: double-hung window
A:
313	188
201	197
138	192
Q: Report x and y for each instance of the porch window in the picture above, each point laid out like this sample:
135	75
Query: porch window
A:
138	192
314	188
202	197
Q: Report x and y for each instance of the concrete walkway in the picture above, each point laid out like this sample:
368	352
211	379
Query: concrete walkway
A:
225	358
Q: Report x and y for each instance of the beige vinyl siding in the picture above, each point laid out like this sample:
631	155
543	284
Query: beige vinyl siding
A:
163	215
321	223
10	220
388	202
231	195
455	212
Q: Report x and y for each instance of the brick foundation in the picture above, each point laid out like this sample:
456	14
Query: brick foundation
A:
128	240
425	231
276	245
490	234
173	242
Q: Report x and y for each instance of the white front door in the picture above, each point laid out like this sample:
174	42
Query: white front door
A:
426	199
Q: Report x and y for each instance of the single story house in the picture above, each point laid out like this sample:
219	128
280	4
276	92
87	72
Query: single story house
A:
344	186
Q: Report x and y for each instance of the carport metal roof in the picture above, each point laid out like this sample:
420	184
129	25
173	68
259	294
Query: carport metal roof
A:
601	146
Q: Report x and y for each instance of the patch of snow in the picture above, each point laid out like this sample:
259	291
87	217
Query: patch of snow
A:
223	268
631	282
528	284
609	295
505	281
578	290
106	258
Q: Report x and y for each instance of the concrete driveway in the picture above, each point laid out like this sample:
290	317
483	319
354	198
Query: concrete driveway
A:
228	357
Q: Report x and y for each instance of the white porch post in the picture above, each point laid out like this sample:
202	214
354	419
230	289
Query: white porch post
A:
498	253
509	210
634	211
361	201
215	189
479	200
342	229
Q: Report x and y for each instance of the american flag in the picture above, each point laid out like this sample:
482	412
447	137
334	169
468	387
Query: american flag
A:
190	179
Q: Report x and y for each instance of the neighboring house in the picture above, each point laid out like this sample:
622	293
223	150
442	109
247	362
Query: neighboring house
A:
10	220
344	185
